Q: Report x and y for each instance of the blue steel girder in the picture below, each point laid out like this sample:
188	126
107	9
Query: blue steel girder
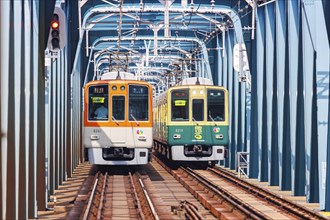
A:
297	185
309	130
290	99
269	62
230	86
280	69
315	39
217	18
262	114
187	39
253	148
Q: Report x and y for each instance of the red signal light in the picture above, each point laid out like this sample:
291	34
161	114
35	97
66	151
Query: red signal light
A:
57	30
55	24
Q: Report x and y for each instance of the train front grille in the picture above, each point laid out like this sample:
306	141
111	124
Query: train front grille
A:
197	150
118	153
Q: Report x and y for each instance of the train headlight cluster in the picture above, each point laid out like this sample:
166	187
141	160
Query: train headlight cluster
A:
114	88
194	92
176	136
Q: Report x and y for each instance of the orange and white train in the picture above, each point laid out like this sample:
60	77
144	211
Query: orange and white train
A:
118	120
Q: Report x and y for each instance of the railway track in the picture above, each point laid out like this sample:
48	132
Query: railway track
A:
293	209
113	196
157	191
228	197
205	193
148	192
171	199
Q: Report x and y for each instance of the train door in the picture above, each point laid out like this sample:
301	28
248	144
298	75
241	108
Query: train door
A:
118	120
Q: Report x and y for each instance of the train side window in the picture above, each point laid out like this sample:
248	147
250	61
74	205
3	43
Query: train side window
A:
198	109
98	103
180	105
138	106
118	107
215	105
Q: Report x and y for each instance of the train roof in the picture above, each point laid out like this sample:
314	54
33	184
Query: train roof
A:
117	81
112	77
195	81
118	75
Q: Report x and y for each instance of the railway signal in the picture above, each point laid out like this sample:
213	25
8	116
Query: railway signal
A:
57	35
55	40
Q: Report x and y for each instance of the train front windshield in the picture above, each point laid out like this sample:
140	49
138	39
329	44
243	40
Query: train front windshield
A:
180	105
118	108
98	109
138	103
215	105
198	109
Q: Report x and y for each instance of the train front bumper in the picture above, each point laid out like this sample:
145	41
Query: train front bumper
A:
95	156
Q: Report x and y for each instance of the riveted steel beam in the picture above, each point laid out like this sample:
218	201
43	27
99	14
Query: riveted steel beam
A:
269	61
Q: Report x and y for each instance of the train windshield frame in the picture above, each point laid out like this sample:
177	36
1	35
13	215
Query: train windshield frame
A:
138	102
180	105
98	105
215	105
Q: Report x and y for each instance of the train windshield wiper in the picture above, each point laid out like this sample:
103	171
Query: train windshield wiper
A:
212	119
194	120
134	119
115	120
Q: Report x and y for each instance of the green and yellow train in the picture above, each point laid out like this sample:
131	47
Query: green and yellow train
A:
191	122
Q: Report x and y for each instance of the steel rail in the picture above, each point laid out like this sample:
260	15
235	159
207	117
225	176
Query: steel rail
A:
136	198
192	210
99	212
150	204
90	200
293	208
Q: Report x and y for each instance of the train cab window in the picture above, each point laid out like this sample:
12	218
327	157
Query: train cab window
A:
118	108
98	103
215	105
180	105
138	103
198	109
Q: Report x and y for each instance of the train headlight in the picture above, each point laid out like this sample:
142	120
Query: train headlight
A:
114	87
176	136
219	136
194	92
122	88
201	92
95	137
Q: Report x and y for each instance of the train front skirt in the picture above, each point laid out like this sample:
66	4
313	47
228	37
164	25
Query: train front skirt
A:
178	153
136	156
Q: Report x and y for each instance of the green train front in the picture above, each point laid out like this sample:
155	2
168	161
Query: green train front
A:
191	123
